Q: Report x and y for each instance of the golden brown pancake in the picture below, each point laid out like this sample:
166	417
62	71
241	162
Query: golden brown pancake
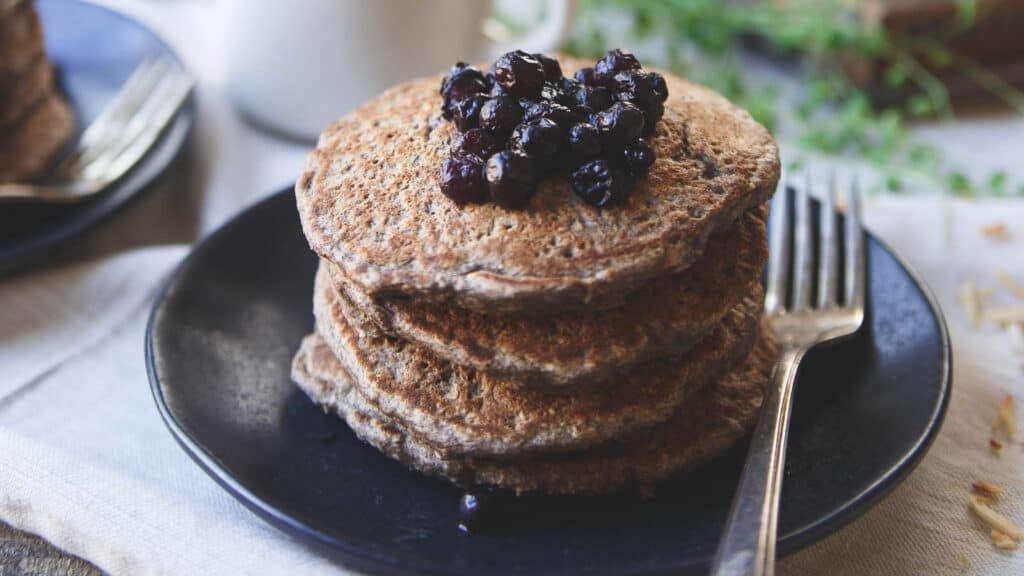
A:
369	203
712	421
25	91
663	319
468	412
30	146
21	41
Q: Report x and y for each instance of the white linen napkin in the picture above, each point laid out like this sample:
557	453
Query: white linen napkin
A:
86	462
85	459
49	317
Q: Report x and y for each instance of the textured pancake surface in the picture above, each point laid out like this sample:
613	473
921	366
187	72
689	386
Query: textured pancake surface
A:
21	40
662	319
7	7
369	202
29	147
469	412
25	91
710	422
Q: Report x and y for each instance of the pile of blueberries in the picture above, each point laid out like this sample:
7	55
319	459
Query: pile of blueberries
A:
523	120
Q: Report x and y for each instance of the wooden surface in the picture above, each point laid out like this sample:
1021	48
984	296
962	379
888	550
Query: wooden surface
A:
28	555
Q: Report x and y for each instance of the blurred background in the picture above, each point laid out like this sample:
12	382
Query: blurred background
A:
845	78
866	82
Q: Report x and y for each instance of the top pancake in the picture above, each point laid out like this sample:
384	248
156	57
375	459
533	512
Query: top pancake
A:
369	202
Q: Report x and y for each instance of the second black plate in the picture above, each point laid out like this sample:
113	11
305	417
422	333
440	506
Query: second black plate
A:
95	50
220	342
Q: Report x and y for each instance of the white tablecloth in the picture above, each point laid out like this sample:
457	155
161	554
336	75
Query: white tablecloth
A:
86	462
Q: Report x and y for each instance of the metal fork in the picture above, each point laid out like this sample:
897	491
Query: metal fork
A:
800	321
117	139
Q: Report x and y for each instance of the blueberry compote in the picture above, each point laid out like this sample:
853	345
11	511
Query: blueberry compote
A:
524	120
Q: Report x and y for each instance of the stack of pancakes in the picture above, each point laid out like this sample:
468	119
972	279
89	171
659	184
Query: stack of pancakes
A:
35	121
560	348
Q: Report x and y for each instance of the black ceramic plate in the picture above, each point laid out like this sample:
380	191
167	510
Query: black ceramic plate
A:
220	342
95	51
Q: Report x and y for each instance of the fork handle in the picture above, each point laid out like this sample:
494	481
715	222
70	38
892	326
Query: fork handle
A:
748	546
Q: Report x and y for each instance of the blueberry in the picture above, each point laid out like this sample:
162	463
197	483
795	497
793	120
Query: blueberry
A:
466	113
638	157
500	115
582	113
599	184
519	74
636	87
540	139
462	76
612	63
584	142
511	179
524	119
555	112
566	94
461	82
658	81
550	92
595	97
652	114
552	69
477	142
621	123
585	76
462	179
497	91
569	85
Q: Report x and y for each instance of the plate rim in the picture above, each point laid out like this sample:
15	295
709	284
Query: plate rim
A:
359	558
24	249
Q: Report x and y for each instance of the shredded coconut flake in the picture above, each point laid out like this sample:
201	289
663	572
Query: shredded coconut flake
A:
996	231
1011	284
986	488
1002	541
994	519
1004	315
971	300
1007	415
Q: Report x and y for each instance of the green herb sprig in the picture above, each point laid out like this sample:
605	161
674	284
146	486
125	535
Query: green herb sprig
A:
706	40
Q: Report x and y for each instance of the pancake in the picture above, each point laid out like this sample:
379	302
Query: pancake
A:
28	149
21	41
25	91
369	203
663	319
7	7
710	422
468	412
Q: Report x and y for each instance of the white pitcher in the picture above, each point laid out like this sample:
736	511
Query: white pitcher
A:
295	65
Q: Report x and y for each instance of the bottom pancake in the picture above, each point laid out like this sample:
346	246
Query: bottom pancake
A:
707	424
27	149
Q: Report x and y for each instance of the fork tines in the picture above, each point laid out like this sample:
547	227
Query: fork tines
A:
129	125
792	281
